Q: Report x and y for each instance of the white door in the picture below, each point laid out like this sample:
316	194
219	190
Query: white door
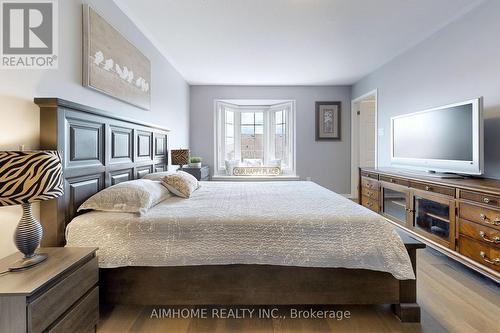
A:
366	132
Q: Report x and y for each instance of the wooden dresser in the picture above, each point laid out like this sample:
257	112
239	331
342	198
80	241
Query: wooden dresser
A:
58	295
459	217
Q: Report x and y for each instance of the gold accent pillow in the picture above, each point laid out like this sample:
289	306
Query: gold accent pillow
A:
181	184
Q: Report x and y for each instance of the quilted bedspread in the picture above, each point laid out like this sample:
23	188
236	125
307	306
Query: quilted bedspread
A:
276	223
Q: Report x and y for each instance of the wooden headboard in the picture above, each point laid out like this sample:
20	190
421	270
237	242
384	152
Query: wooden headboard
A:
99	149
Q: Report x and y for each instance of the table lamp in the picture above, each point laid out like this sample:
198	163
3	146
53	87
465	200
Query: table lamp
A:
180	157
26	177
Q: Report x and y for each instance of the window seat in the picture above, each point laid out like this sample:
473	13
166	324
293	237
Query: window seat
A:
254	178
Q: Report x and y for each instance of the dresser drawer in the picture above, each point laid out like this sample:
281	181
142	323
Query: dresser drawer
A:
484	254
369	174
82	317
394	180
434	188
372	194
45	309
480	233
370	203
486	199
482	215
369	183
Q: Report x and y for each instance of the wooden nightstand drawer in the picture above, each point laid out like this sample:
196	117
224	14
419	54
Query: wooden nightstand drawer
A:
42	297
54	302
82	317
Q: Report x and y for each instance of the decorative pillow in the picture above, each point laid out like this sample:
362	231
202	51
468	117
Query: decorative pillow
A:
135	196
252	162
181	184
157	175
275	163
230	164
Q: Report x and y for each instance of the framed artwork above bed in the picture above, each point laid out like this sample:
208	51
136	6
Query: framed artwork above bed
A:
112	64
328	120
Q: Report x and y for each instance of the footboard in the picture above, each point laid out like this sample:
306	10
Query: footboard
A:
260	285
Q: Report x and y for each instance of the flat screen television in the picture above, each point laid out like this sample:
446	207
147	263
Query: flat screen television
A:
446	139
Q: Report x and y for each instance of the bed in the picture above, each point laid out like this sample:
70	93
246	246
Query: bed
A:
282	223
231	243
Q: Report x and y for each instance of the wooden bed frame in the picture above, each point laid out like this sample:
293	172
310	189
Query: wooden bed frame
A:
100	149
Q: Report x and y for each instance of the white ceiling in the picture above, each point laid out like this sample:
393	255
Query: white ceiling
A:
287	42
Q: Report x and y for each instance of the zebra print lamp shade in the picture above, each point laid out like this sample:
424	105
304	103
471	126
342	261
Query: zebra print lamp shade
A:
29	176
26	177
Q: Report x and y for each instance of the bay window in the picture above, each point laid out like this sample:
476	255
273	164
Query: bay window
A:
255	135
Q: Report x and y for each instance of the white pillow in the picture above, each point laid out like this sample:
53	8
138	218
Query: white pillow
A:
275	163
230	164
157	175
181	183
252	162
135	196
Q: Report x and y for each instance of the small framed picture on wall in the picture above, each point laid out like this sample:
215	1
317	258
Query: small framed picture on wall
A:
327	121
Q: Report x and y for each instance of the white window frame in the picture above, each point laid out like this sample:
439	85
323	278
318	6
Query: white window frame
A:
289	134
220	107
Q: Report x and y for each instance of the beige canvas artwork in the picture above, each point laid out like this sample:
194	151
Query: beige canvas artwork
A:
113	65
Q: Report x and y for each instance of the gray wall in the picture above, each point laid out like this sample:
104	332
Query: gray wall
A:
460	62
328	163
170	93
20	116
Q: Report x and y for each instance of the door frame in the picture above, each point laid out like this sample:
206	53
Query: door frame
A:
355	142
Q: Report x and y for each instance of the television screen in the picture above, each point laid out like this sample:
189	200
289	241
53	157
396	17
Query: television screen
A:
444	134
445	139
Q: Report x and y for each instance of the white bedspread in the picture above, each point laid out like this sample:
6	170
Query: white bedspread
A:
276	223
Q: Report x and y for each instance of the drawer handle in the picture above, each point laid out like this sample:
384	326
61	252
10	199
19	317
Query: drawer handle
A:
495	261
487	200
391	180
495	239
428	188
486	220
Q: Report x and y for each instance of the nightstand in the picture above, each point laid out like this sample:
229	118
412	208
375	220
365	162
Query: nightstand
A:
58	295
202	173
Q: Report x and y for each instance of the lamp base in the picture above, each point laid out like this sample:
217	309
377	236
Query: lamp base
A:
27	237
28	262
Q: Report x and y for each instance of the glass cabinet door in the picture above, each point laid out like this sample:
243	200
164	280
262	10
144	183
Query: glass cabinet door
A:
394	204
432	217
